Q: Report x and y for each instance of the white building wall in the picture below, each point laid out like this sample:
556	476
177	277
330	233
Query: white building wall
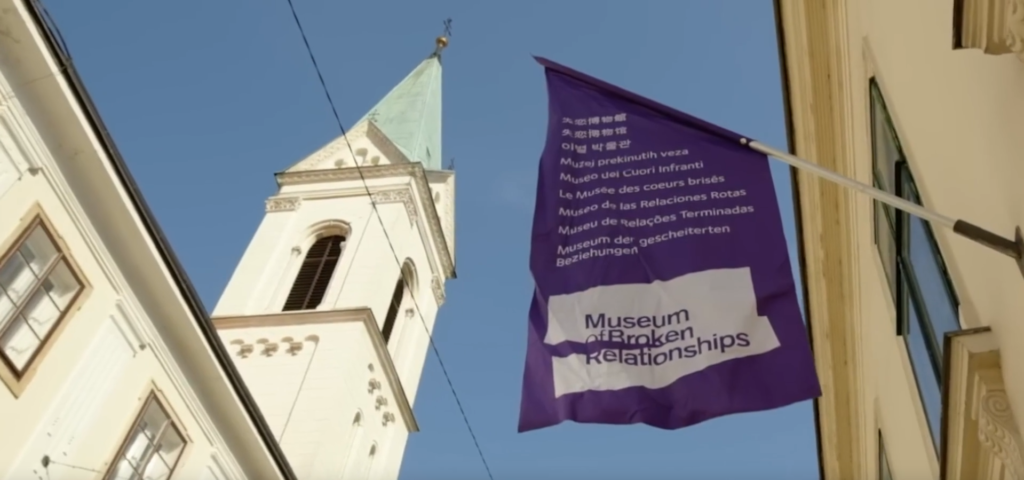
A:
13	160
959	115
89	387
364	277
316	424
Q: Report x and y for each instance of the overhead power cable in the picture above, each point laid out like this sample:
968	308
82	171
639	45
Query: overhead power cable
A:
398	261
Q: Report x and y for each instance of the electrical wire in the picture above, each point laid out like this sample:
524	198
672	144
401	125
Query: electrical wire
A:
391	245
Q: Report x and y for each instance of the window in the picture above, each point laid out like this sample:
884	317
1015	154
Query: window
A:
406	284
926	303
396	302
38	287
884	472
153	446
315	274
986	25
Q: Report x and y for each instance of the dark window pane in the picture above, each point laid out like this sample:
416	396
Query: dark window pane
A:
885	238
885	148
397	295
884	471
940	305
884	211
926	303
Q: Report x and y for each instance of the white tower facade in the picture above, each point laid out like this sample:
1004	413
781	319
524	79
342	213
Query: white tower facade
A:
329	312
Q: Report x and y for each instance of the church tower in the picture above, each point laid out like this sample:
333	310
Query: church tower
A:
329	312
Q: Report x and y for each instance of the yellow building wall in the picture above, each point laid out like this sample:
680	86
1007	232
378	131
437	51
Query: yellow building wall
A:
959	115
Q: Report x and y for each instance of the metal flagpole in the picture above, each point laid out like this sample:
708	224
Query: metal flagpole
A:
1012	248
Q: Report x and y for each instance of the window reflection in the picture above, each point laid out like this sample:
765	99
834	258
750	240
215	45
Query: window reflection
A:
885	238
927	381
36	288
152	450
930	276
926	303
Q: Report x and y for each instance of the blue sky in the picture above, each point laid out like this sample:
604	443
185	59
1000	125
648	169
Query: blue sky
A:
208	99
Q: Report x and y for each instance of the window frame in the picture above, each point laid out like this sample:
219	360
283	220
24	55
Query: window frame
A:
915	292
18	381
153	396
884	466
904	283
958	25
319	275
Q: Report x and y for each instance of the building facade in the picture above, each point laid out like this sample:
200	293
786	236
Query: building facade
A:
109	366
915	329
329	313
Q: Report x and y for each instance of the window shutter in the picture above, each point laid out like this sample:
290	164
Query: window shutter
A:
315	274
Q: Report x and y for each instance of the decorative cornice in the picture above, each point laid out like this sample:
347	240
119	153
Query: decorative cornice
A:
402	196
437	287
283	204
338	146
380	402
268	348
447	179
996	27
436	231
982	441
321	159
997	430
312	317
414	170
1015	28
305	177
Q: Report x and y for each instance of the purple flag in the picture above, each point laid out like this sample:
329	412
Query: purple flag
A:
664	293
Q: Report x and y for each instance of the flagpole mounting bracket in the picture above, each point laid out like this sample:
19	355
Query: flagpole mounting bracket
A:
1018	258
1019	237
1011	248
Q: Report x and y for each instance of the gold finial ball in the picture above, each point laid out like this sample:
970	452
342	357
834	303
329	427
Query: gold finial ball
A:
442	42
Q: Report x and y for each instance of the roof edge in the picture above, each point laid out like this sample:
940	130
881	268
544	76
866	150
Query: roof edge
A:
57	49
787	109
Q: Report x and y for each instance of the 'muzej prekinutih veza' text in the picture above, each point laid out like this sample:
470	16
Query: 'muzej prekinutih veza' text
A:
654	339
627	159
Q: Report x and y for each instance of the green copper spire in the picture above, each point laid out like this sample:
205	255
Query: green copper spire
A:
410	114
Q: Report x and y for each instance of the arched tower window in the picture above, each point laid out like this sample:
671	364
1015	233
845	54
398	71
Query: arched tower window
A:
406	281
396	301
315	274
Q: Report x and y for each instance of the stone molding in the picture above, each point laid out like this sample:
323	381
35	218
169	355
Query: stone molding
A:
422	194
429	228
394	399
403	196
283	204
819	97
996	27
983	441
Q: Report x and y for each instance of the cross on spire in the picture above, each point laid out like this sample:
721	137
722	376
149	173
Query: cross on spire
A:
442	41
